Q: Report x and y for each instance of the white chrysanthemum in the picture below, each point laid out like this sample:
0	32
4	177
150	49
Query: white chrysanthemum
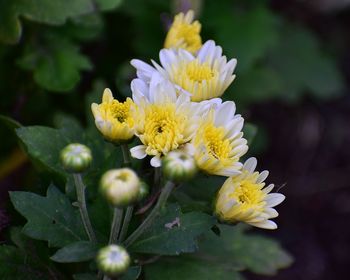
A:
205	75
164	121
219	141
244	198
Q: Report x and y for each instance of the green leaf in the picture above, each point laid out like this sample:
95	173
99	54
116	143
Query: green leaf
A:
304	66
43	145
245	251
51	218
69	127
133	273
46	11
16	265
56	64
108	4
9	122
173	232
188	268
76	252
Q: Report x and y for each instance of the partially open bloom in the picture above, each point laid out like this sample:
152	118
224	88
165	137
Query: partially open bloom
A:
76	157
184	33
179	166
121	187
113	260
243	198
206	75
113	118
219	143
164	120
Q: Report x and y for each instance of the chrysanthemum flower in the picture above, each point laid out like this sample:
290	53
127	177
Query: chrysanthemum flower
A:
164	120
219	142
205	76
113	118
243	198
184	33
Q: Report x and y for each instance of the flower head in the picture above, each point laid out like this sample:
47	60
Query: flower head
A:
164	120
121	187
219	143
113	118
76	157
179	166
184	33
113	260
244	198
206	75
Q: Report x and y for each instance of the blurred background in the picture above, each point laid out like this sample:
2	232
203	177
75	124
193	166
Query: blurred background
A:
292	87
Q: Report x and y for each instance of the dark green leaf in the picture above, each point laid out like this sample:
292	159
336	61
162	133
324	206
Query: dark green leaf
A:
85	276
173	232
10	123
133	273
108	4
187	268
76	252
51	218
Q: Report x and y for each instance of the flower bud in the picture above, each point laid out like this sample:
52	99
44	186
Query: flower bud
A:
144	191
179	166
113	260
76	157
121	187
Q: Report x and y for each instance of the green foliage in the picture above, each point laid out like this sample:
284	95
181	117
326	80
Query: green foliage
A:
173	232
51	218
79	251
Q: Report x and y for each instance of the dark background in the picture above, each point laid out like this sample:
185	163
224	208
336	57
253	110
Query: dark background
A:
303	138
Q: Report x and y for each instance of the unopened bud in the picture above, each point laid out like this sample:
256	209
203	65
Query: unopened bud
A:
121	187
76	157
179	166
113	260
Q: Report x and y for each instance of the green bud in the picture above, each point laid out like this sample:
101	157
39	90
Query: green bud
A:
76	157
113	260
121	187
179	166
144	191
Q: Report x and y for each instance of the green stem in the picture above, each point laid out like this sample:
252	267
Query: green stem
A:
126	223
126	154
116	223
80	189
164	195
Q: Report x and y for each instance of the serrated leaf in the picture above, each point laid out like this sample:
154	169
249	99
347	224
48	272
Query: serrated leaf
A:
51	218
245	251
43	144
187	268
173	232
76	252
56	64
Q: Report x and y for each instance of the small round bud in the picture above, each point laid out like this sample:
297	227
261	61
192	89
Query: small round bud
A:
121	187
144	191
113	260
179	166
76	157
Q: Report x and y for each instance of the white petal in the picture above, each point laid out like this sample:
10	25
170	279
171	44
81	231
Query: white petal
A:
265	224
156	162
274	199
138	152
262	176
250	164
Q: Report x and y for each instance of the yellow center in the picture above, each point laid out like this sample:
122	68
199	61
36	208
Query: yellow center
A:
249	195
118	111
198	72
163	130
215	142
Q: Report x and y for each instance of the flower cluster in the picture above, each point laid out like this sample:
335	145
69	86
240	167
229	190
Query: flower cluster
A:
176	106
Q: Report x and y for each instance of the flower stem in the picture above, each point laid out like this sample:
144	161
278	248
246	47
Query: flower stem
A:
164	195
80	189
126	154
116	223
126	222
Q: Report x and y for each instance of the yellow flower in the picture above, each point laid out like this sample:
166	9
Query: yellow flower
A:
243	198
113	118
164	120
205	76
218	143
184	33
